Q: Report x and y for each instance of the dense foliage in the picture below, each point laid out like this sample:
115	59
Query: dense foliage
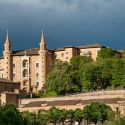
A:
9	115
83	74
93	113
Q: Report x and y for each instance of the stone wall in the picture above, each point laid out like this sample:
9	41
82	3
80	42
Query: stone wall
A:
86	96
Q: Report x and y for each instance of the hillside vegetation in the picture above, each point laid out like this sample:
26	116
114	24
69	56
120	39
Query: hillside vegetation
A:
82	74
93	113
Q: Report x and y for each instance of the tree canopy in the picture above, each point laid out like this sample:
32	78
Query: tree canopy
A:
96	112
82	74
92	113
106	53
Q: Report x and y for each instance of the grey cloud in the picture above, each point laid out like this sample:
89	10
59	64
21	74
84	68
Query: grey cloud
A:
63	20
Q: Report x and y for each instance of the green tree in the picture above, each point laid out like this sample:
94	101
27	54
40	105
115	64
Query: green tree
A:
107	53
78	115
118	73
105	67
96	112
123	52
75	77
42	117
70	116
91	77
87	113
54	115
10	116
63	116
59	80
30	118
79	61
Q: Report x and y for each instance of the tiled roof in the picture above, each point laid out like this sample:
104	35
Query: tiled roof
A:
34	51
1	57
7	92
107	101
35	104
3	80
27	52
62	102
72	102
52	103
81	47
90	46
59	49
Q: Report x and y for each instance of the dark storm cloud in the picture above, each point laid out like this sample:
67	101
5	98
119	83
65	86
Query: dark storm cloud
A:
65	22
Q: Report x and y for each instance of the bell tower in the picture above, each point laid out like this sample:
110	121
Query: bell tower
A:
42	61
7	53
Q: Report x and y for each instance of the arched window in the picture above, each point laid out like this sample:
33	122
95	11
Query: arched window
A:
37	75
25	63
25	73
25	83
36	84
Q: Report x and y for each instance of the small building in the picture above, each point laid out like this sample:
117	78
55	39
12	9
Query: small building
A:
10	86
9	92
9	98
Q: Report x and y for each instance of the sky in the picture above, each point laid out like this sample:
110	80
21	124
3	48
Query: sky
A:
65	23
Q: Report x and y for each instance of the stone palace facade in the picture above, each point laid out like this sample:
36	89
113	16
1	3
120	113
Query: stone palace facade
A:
30	66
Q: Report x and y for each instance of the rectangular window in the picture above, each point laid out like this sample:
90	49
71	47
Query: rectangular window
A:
37	75
37	84
13	75
13	65
62	54
37	64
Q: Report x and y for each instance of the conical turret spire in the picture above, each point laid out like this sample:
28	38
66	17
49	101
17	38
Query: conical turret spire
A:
7	44
43	37
7	39
8	60
43	42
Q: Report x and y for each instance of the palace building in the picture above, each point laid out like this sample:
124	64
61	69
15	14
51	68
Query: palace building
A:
30	66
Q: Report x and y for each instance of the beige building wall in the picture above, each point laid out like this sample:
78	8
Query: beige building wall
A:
9	98
16	68
31	66
60	55
8	66
93	52
43	67
1	68
34	65
35	72
66	54
50	60
117	94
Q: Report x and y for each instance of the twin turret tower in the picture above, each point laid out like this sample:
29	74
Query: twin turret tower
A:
30	66
30	72
43	60
8	60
